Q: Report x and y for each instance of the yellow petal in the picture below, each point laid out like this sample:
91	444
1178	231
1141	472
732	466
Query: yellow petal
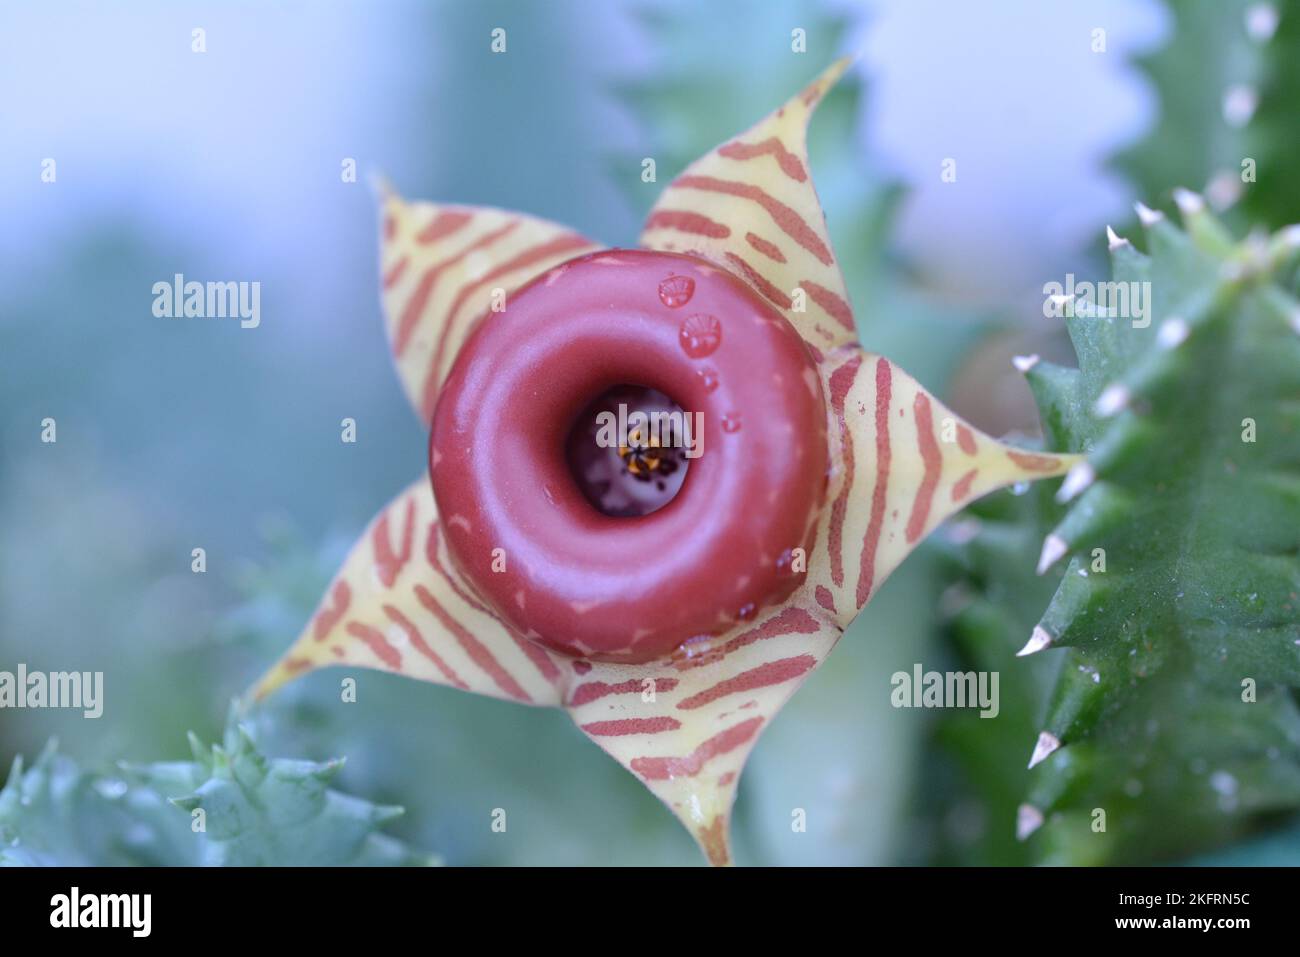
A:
686	726
751	207
905	462
440	266
398	604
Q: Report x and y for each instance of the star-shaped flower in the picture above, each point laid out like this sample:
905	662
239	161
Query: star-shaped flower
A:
414	597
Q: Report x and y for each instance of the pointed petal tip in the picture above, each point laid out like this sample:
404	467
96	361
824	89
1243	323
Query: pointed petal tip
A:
274	679
1024	363
714	839
841	65
1054	549
382	188
1114	240
1038	641
1147	216
796	248
1080	476
818	88
1028	820
1046	745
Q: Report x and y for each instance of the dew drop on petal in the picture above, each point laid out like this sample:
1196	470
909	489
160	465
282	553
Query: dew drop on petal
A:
676	291
700	335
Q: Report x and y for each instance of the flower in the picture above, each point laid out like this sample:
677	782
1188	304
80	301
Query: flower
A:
899	463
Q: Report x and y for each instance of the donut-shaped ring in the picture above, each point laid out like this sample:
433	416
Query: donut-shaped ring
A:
516	521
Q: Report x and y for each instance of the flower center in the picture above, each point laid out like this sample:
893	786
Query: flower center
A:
629	450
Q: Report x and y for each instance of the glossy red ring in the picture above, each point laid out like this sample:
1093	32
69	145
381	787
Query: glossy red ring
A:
630	589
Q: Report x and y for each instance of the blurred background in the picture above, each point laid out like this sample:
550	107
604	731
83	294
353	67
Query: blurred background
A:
173	436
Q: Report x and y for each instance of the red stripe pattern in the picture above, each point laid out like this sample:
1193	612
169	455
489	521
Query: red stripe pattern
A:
440	266
786	218
751	207
931	461
692	224
684	725
789	163
902	464
884	460
471	304
390	611
689	740
769	249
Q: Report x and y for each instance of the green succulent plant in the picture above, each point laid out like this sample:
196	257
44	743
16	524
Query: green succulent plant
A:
1180	605
55	813
1226	80
1153	746
244	810
862	200
975	776
1125	711
1172	724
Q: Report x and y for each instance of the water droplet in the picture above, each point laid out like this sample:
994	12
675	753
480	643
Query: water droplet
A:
784	561
700	335
676	291
731	422
747	611
1020	488
709	377
694	648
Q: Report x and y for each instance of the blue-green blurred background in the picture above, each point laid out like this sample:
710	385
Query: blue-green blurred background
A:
226	165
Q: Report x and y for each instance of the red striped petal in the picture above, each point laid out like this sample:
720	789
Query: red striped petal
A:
750	206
